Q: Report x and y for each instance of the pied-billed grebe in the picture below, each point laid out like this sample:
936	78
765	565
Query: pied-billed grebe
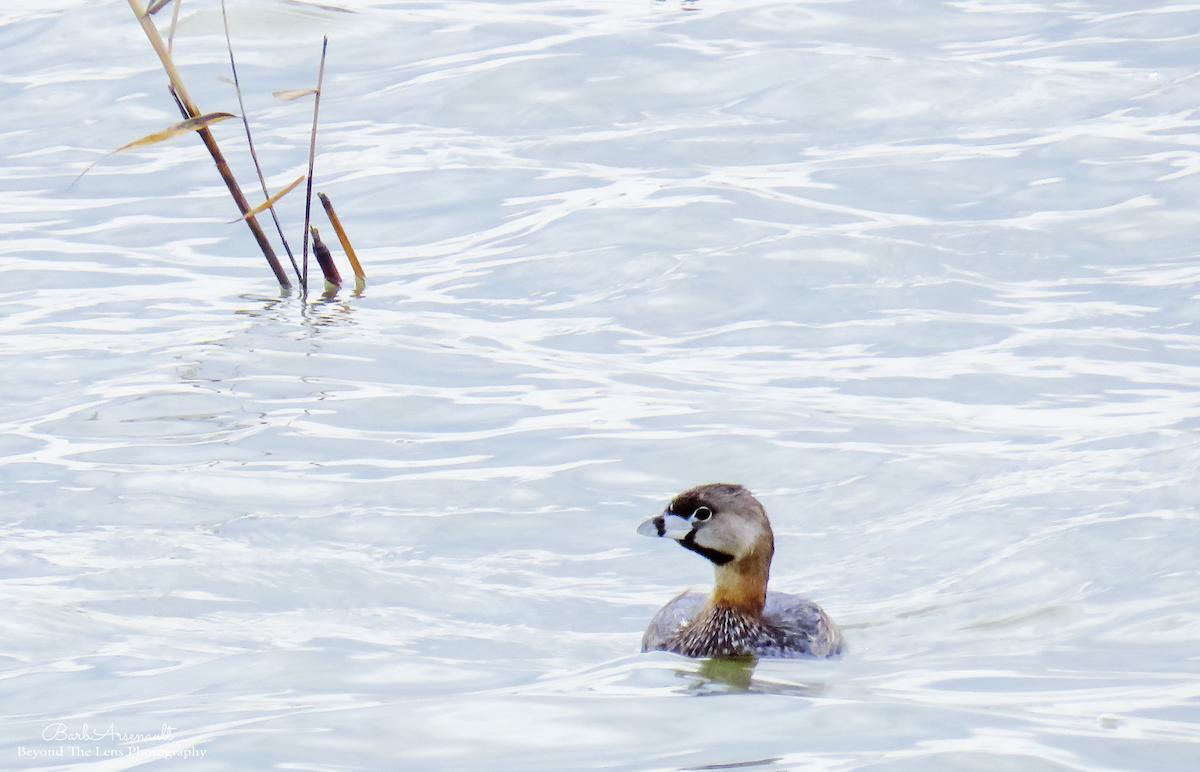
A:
727	525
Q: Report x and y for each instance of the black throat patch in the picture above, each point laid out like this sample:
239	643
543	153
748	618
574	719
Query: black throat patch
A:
717	557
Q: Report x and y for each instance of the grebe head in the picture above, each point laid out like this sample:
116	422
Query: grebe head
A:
722	522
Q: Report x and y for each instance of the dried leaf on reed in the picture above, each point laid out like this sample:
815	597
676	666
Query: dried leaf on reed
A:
157	6
270	202
183	127
287	95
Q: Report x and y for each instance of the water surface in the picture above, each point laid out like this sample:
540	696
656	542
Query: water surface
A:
923	277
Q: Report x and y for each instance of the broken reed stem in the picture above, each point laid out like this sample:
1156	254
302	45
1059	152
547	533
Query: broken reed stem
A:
312	157
341	234
210	142
262	180
325	260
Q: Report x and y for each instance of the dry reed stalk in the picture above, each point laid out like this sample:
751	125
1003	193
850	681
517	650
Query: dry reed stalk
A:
359	275
312	158
262	180
191	111
174	26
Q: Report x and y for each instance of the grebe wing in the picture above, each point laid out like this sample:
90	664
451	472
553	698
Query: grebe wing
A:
682	608
799	627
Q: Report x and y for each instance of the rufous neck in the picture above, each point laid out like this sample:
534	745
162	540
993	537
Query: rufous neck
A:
742	583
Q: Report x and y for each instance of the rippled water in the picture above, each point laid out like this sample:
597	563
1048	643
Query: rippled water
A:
922	276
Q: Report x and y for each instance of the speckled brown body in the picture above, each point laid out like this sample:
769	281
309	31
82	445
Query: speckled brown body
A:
693	626
716	631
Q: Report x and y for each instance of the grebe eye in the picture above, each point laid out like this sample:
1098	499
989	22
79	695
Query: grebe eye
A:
702	514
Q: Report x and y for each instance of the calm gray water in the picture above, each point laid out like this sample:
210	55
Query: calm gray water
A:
923	276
